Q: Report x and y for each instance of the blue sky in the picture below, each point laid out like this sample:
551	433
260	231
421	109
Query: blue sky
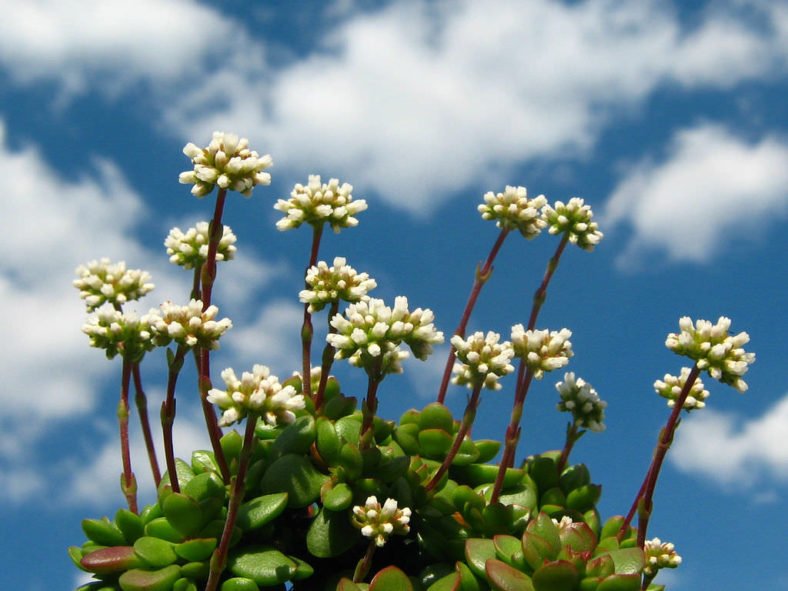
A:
668	118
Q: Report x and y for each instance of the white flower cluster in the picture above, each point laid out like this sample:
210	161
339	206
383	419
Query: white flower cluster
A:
713	349
123	333
331	284
227	162
317	203
482	360
671	386
258	392
190	249
542	350
189	325
574	219
659	555
514	211
378	522
370	332
102	282
579	398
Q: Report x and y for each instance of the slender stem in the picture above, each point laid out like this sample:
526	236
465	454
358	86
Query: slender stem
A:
168	414
306	329
644	501
219	558
362	568
541	293
513	430
326	362
195	294
142	409
467	421
571	438
482	275
128	483
369	406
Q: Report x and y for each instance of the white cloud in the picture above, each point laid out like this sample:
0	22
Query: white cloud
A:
712	187
731	450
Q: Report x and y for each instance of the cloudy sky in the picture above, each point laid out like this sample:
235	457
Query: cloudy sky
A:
668	118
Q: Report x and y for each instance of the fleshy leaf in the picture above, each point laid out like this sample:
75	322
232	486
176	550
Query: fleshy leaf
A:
103	532
183	513
155	552
620	583
115	559
298	436
555	576
390	579
150	580
506	578
260	510
295	475
239	584
477	552
434	443
130	524
266	566
330	534
436	416
196	549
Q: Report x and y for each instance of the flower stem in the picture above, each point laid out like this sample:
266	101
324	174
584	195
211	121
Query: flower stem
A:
128	483
467	421
644	500
219	558
306	329
369	406
572	435
142	409
175	363
482	275
326	362
362	568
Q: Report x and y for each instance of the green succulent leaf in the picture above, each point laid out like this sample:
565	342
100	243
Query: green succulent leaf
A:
349	428
161	528
207	485
628	561
183	513
436	416
583	498
196	549
390	579
103	532
620	583
542	526
231	444
506	578
130	524
434	443
574	477
510	550
203	461
487	448
266	566
330	534
450	582
155	552
327	441
475	475
150	580
257	512
559	575
544	470
295	475
477	552
346	584
297	437
239	584
578	536
407	436
116	559
184	584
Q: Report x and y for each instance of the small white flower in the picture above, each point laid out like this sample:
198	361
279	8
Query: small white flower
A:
226	162
659	555
514	211
101	282
318	203
259	392
332	284
122	333
378	522
573	219
482	360
670	387
711	347
190	249
579	398
189	325
542	350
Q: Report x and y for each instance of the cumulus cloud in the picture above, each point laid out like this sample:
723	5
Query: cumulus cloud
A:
731	450
711	188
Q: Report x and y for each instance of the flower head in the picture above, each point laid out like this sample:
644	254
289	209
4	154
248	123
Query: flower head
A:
102	282
189	325
482	360
514	211
228	162
190	249
659	555
579	398
378	522
542	350
713	349
259	392
122	333
574	220
332	284
318	203
670	387
370	332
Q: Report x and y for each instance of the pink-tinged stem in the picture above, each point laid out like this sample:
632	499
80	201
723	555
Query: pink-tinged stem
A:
369	406
482	275
208	277
363	566
306	329
219	558
643	503
168	414
142	409
571	438
326	362
128	482
467	421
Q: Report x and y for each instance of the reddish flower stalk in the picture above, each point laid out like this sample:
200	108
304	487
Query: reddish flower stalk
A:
643	502
326	362
467	420
219	558
142	409
175	363
571	438
306	329
482	275
128	483
370	406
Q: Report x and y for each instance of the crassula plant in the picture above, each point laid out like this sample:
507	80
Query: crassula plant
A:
315	491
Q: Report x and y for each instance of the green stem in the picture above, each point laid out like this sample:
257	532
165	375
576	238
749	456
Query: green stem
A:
142	410
219	558
481	277
467	421
128	483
